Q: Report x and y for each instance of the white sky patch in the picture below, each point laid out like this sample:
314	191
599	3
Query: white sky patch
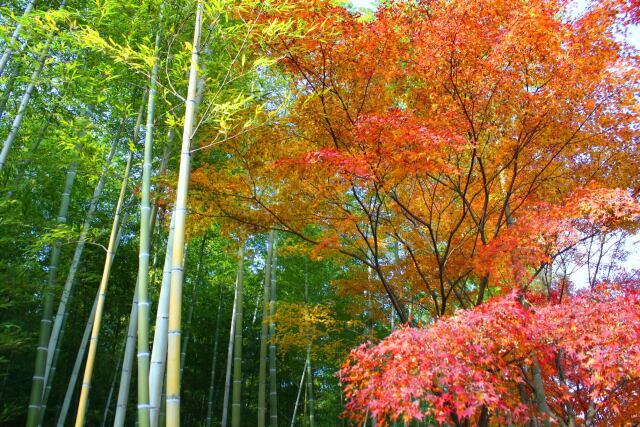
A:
367	4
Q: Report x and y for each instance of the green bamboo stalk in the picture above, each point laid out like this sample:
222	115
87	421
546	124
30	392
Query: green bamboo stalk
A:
127	363
227	377
177	261
145	247
24	101
295	407
312	412
4	59
56	332
214	358
264	335
163	407
37	386
95	331
273	385
73	379
66	403
237	344
26	96
32	151
8	88
107	404
194	293
159	351
304	407
311	400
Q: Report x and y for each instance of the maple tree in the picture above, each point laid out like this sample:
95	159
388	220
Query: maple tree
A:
574	362
454	149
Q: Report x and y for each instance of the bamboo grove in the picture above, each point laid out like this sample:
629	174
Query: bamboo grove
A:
304	212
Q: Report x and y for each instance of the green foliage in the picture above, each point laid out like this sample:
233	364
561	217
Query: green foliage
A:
98	59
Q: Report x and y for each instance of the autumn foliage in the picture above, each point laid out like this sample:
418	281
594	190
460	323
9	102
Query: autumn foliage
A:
454	150
573	362
450	147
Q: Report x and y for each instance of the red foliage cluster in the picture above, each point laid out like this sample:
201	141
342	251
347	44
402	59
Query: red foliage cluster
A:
578	361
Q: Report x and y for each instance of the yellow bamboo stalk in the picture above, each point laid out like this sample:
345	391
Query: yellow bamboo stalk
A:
177	258
95	331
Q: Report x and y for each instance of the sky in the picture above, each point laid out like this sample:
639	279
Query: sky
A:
363	3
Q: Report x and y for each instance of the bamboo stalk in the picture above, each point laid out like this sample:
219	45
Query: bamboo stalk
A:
8	88
37	386
273	385
213	361
227	376
127	360
107	404
24	101
56	332
95	331
26	96
194	293
127	364
4	59
264	334
309	393
145	246
76	367
159	351
73	379
177	262
237	344
295	407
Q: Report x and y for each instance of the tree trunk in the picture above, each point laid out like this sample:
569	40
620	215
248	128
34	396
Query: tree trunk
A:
262	376
177	262
37	387
539	392
237	344
93	344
